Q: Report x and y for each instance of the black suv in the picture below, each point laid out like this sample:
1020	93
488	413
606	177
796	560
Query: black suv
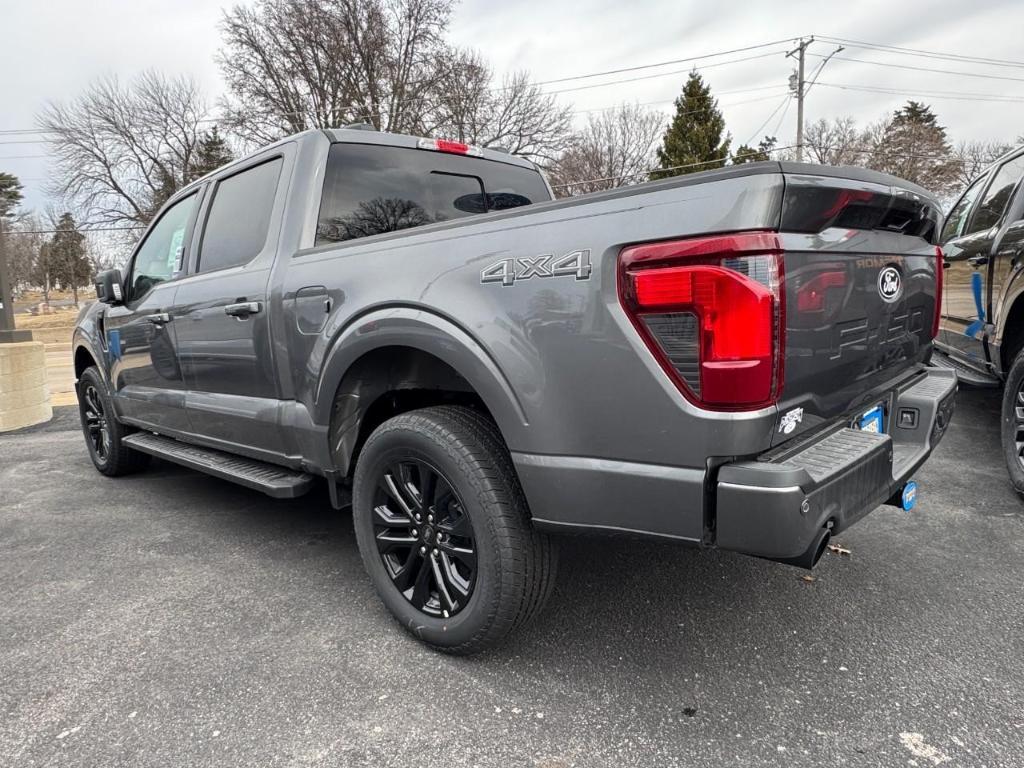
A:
982	332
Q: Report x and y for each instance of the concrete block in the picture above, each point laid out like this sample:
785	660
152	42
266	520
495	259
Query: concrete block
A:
25	417
24	396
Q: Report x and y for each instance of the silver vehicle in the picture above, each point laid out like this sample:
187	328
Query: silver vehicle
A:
731	359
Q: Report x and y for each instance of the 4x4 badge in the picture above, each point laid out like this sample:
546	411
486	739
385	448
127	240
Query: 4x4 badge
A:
508	271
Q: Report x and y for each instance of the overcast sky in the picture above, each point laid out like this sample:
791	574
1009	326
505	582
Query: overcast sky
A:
52	49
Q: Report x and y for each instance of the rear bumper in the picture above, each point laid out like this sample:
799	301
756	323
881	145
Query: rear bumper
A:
784	504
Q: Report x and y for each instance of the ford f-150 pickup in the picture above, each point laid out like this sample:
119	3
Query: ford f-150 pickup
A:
731	359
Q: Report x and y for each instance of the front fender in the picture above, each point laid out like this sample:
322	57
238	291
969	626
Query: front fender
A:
427	332
87	336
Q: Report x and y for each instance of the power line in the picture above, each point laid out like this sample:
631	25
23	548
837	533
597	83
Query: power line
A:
688	112
956	95
785	100
663	63
55	231
924	69
660	74
782	117
18	131
923	53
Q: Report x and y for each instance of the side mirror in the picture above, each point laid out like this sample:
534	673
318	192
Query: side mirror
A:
108	287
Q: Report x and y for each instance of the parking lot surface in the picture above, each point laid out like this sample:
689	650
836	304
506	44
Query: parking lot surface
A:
174	619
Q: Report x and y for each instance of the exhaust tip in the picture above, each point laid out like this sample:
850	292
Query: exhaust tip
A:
812	554
822	543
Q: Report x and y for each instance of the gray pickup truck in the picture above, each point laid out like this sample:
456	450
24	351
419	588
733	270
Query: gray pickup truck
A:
731	359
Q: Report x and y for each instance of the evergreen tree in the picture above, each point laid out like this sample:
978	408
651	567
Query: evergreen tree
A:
10	194
745	154
696	137
68	262
914	147
211	153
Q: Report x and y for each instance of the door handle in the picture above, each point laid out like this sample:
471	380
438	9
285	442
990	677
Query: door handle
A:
159	318
978	261
243	309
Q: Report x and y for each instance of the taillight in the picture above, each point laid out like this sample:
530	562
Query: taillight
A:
940	261
711	311
452	147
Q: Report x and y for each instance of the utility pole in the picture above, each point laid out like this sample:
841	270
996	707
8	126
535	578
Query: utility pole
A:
7	332
797	85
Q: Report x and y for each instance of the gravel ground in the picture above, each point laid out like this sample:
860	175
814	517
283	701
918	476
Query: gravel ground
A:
174	619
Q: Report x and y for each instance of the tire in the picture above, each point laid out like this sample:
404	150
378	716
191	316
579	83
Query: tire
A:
103	432
1013	422
479	508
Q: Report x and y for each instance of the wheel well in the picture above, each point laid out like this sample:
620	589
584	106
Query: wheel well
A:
384	383
1013	335
83	360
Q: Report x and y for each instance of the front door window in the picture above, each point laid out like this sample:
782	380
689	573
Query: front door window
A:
160	255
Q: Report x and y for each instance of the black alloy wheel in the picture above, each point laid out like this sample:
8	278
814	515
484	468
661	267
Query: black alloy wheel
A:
1018	424
95	424
444	530
424	537
103	432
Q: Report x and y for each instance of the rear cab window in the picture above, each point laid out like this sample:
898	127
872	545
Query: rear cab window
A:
370	189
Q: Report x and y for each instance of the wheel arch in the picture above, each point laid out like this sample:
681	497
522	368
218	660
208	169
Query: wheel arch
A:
394	360
85	357
1011	336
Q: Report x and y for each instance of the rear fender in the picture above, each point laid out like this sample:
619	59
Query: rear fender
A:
420	330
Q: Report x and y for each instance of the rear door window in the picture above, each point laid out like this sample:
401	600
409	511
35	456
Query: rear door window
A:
993	203
371	189
239	218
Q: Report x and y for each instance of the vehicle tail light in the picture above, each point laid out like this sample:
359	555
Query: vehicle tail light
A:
940	260
452	147
711	310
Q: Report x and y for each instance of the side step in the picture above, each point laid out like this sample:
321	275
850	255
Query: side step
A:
967	374
279	482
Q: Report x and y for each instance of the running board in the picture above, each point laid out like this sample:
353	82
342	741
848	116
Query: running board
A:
275	481
965	373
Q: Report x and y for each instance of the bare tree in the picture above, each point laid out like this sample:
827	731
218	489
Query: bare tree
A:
291	65
21	247
123	150
835	142
615	149
517	115
973	157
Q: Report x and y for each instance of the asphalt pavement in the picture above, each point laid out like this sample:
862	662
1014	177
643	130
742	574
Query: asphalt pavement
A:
174	619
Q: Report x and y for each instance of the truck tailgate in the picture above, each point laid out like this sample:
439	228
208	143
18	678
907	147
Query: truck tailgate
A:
862	286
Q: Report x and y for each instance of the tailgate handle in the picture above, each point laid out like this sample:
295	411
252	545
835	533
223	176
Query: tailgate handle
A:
243	308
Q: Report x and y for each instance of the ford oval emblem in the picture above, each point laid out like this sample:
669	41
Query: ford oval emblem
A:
890	284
